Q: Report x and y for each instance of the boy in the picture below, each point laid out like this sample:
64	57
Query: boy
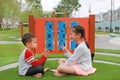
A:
28	65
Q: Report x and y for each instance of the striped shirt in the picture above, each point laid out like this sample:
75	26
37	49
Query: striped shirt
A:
27	60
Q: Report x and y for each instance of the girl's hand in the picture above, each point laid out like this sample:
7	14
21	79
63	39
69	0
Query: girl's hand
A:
45	53
64	49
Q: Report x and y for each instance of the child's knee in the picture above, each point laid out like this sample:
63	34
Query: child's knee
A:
60	68
61	60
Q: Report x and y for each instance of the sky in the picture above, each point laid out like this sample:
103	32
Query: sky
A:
97	6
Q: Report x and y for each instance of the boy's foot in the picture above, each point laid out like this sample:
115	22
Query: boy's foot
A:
38	75
46	69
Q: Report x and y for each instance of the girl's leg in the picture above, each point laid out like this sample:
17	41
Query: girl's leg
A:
62	60
57	73
66	69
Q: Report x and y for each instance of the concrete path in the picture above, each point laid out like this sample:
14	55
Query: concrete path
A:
107	42
10	42
13	65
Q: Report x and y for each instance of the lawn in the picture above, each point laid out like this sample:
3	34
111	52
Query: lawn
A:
107	50
9	53
107	58
105	33
104	72
12	34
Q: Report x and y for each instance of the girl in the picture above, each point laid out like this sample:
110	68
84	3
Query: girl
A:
78	63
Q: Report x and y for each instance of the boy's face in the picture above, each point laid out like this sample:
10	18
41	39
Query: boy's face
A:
33	43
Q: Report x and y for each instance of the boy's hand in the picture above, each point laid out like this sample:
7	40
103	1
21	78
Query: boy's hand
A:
45	53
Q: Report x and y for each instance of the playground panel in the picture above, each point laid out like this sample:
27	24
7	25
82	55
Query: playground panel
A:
55	32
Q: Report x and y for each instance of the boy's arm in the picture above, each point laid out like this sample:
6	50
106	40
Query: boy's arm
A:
29	57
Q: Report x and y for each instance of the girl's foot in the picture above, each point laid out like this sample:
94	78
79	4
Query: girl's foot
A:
56	73
38	75
53	70
46	69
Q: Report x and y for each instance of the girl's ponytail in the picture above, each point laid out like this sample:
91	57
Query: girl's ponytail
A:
87	44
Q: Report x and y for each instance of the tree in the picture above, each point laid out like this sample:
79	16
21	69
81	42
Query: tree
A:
9	9
67	6
31	7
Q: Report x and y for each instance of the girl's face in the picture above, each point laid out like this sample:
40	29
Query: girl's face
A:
75	37
33	43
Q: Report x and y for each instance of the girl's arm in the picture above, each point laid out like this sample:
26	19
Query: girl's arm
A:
75	56
68	54
66	51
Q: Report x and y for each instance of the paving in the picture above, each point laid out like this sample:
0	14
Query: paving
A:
107	42
10	42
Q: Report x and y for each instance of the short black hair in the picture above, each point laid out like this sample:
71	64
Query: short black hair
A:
27	37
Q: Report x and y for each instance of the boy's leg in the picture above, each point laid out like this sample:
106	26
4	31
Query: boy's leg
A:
38	75
66	69
34	70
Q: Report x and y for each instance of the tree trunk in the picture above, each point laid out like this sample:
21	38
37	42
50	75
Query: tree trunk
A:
0	22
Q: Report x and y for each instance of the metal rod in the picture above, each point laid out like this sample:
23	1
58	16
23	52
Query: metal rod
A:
111	19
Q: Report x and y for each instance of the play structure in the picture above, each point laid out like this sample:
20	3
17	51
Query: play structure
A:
54	32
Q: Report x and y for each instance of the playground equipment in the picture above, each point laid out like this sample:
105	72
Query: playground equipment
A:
53	32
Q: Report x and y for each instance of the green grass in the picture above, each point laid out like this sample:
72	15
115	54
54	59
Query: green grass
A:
53	55
10	37
9	53
108	58
13	31
104	33
107	50
104	72
11	34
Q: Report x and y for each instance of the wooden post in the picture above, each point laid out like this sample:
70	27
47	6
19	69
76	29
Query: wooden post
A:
65	15
31	24
92	34
53	14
